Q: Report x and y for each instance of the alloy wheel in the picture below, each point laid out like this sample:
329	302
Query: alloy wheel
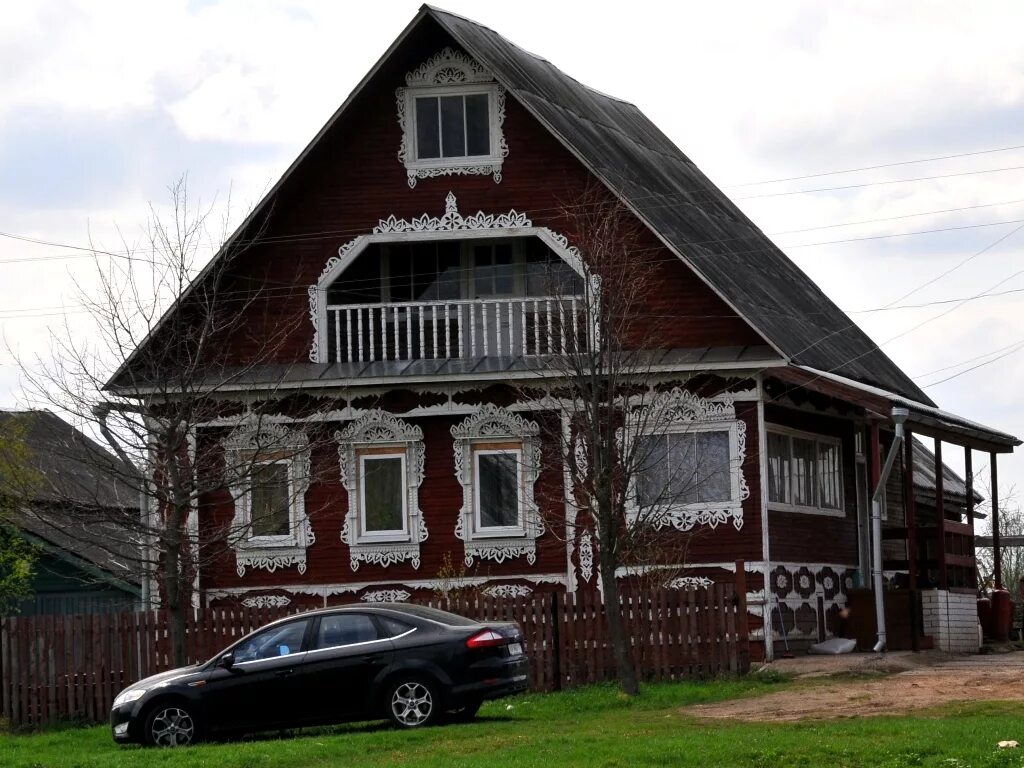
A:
172	727
412	704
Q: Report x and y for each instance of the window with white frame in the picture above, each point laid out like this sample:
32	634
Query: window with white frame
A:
688	455
451	113
268	474
804	472
497	456
381	458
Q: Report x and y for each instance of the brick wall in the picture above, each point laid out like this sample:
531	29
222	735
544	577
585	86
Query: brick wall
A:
951	619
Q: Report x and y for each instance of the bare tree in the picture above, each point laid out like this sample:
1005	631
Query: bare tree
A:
637	465
160	383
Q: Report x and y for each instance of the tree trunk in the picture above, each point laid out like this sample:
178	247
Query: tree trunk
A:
175	605
621	645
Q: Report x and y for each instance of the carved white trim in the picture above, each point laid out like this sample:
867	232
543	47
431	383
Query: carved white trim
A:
267	601
377	429
450	71
689	583
507	591
386	596
586	556
243	447
492	423
451	224
679	410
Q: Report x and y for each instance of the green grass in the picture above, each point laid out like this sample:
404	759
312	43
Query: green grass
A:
587	727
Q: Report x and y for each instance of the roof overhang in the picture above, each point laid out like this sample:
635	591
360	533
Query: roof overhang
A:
923	420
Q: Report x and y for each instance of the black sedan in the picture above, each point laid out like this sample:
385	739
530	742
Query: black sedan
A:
409	663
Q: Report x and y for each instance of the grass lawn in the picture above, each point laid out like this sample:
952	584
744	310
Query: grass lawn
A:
587	727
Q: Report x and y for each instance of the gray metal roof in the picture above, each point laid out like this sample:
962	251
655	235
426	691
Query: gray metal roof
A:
953	486
686	210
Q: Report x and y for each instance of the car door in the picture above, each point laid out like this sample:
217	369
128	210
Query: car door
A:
261	688
347	652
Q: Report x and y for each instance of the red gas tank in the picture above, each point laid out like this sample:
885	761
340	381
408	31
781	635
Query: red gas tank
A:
1002	615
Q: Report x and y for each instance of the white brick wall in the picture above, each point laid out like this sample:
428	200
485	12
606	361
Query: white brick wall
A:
951	619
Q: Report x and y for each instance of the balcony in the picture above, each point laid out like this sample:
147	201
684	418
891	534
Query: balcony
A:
469	328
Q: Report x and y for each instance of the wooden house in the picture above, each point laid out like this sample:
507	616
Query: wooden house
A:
403	245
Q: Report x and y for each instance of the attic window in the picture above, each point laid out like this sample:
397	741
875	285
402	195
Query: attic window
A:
451	113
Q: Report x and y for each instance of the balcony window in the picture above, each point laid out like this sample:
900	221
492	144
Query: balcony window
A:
804	472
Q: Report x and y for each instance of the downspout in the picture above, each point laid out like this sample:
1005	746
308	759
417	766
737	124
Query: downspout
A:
899	415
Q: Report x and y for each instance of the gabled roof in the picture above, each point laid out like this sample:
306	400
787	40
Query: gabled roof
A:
681	206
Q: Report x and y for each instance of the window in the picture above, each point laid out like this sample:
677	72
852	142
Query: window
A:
267	468
497	490
393	627
689	471
453	126
270	500
497	462
345	629
804	472
494	270
383	493
451	115
283	640
381	460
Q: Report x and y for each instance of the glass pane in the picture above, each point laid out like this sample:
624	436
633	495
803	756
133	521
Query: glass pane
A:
449	268
804	462
483	270
682	462
428	144
499	491
270	500
778	468
828	475
478	128
424	272
453	129
345	629
383	487
400	262
278	641
651	461
714	468
504	270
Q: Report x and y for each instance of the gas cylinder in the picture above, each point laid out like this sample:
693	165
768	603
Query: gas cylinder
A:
1002	615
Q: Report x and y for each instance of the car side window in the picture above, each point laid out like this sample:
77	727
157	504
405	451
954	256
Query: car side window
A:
345	629
283	640
393	627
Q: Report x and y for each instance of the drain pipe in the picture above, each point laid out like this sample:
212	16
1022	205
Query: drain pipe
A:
899	415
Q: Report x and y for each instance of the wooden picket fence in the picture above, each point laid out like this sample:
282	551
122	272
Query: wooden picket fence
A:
71	667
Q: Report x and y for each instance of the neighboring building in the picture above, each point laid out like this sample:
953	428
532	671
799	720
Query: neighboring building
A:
84	564
415	222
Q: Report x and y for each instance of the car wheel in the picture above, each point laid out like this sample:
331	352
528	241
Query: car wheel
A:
171	724
413	703
466	712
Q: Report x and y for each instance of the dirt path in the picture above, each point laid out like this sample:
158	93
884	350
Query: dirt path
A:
918	682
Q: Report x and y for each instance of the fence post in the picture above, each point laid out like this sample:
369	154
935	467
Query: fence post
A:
556	642
742	620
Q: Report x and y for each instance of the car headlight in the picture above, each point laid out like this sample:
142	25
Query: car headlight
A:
127	697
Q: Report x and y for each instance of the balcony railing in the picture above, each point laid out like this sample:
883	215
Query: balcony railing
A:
544	325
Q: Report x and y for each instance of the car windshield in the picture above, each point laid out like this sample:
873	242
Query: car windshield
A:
434	614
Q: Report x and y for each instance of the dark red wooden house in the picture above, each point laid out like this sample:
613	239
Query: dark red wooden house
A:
435	194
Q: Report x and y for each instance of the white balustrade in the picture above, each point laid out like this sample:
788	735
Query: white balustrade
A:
535	325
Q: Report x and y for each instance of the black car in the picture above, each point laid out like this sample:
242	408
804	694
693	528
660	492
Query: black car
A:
410	663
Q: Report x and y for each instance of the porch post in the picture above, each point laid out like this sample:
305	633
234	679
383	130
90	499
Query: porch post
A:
908	502
996	553
940	513
969	487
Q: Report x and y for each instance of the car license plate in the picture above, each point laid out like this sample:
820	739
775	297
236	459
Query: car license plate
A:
515	649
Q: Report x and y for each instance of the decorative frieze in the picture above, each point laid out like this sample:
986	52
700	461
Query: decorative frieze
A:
507	591
689	583
267	601
386	596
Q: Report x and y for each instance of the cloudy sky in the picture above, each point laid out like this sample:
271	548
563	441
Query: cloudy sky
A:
103	104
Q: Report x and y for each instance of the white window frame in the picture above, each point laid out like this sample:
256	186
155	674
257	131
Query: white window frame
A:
395	534
679	411
816	508
480	530
371	435
414	162
245	447
450	73
488	426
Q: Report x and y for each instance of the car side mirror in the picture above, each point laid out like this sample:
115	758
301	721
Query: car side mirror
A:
227	660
